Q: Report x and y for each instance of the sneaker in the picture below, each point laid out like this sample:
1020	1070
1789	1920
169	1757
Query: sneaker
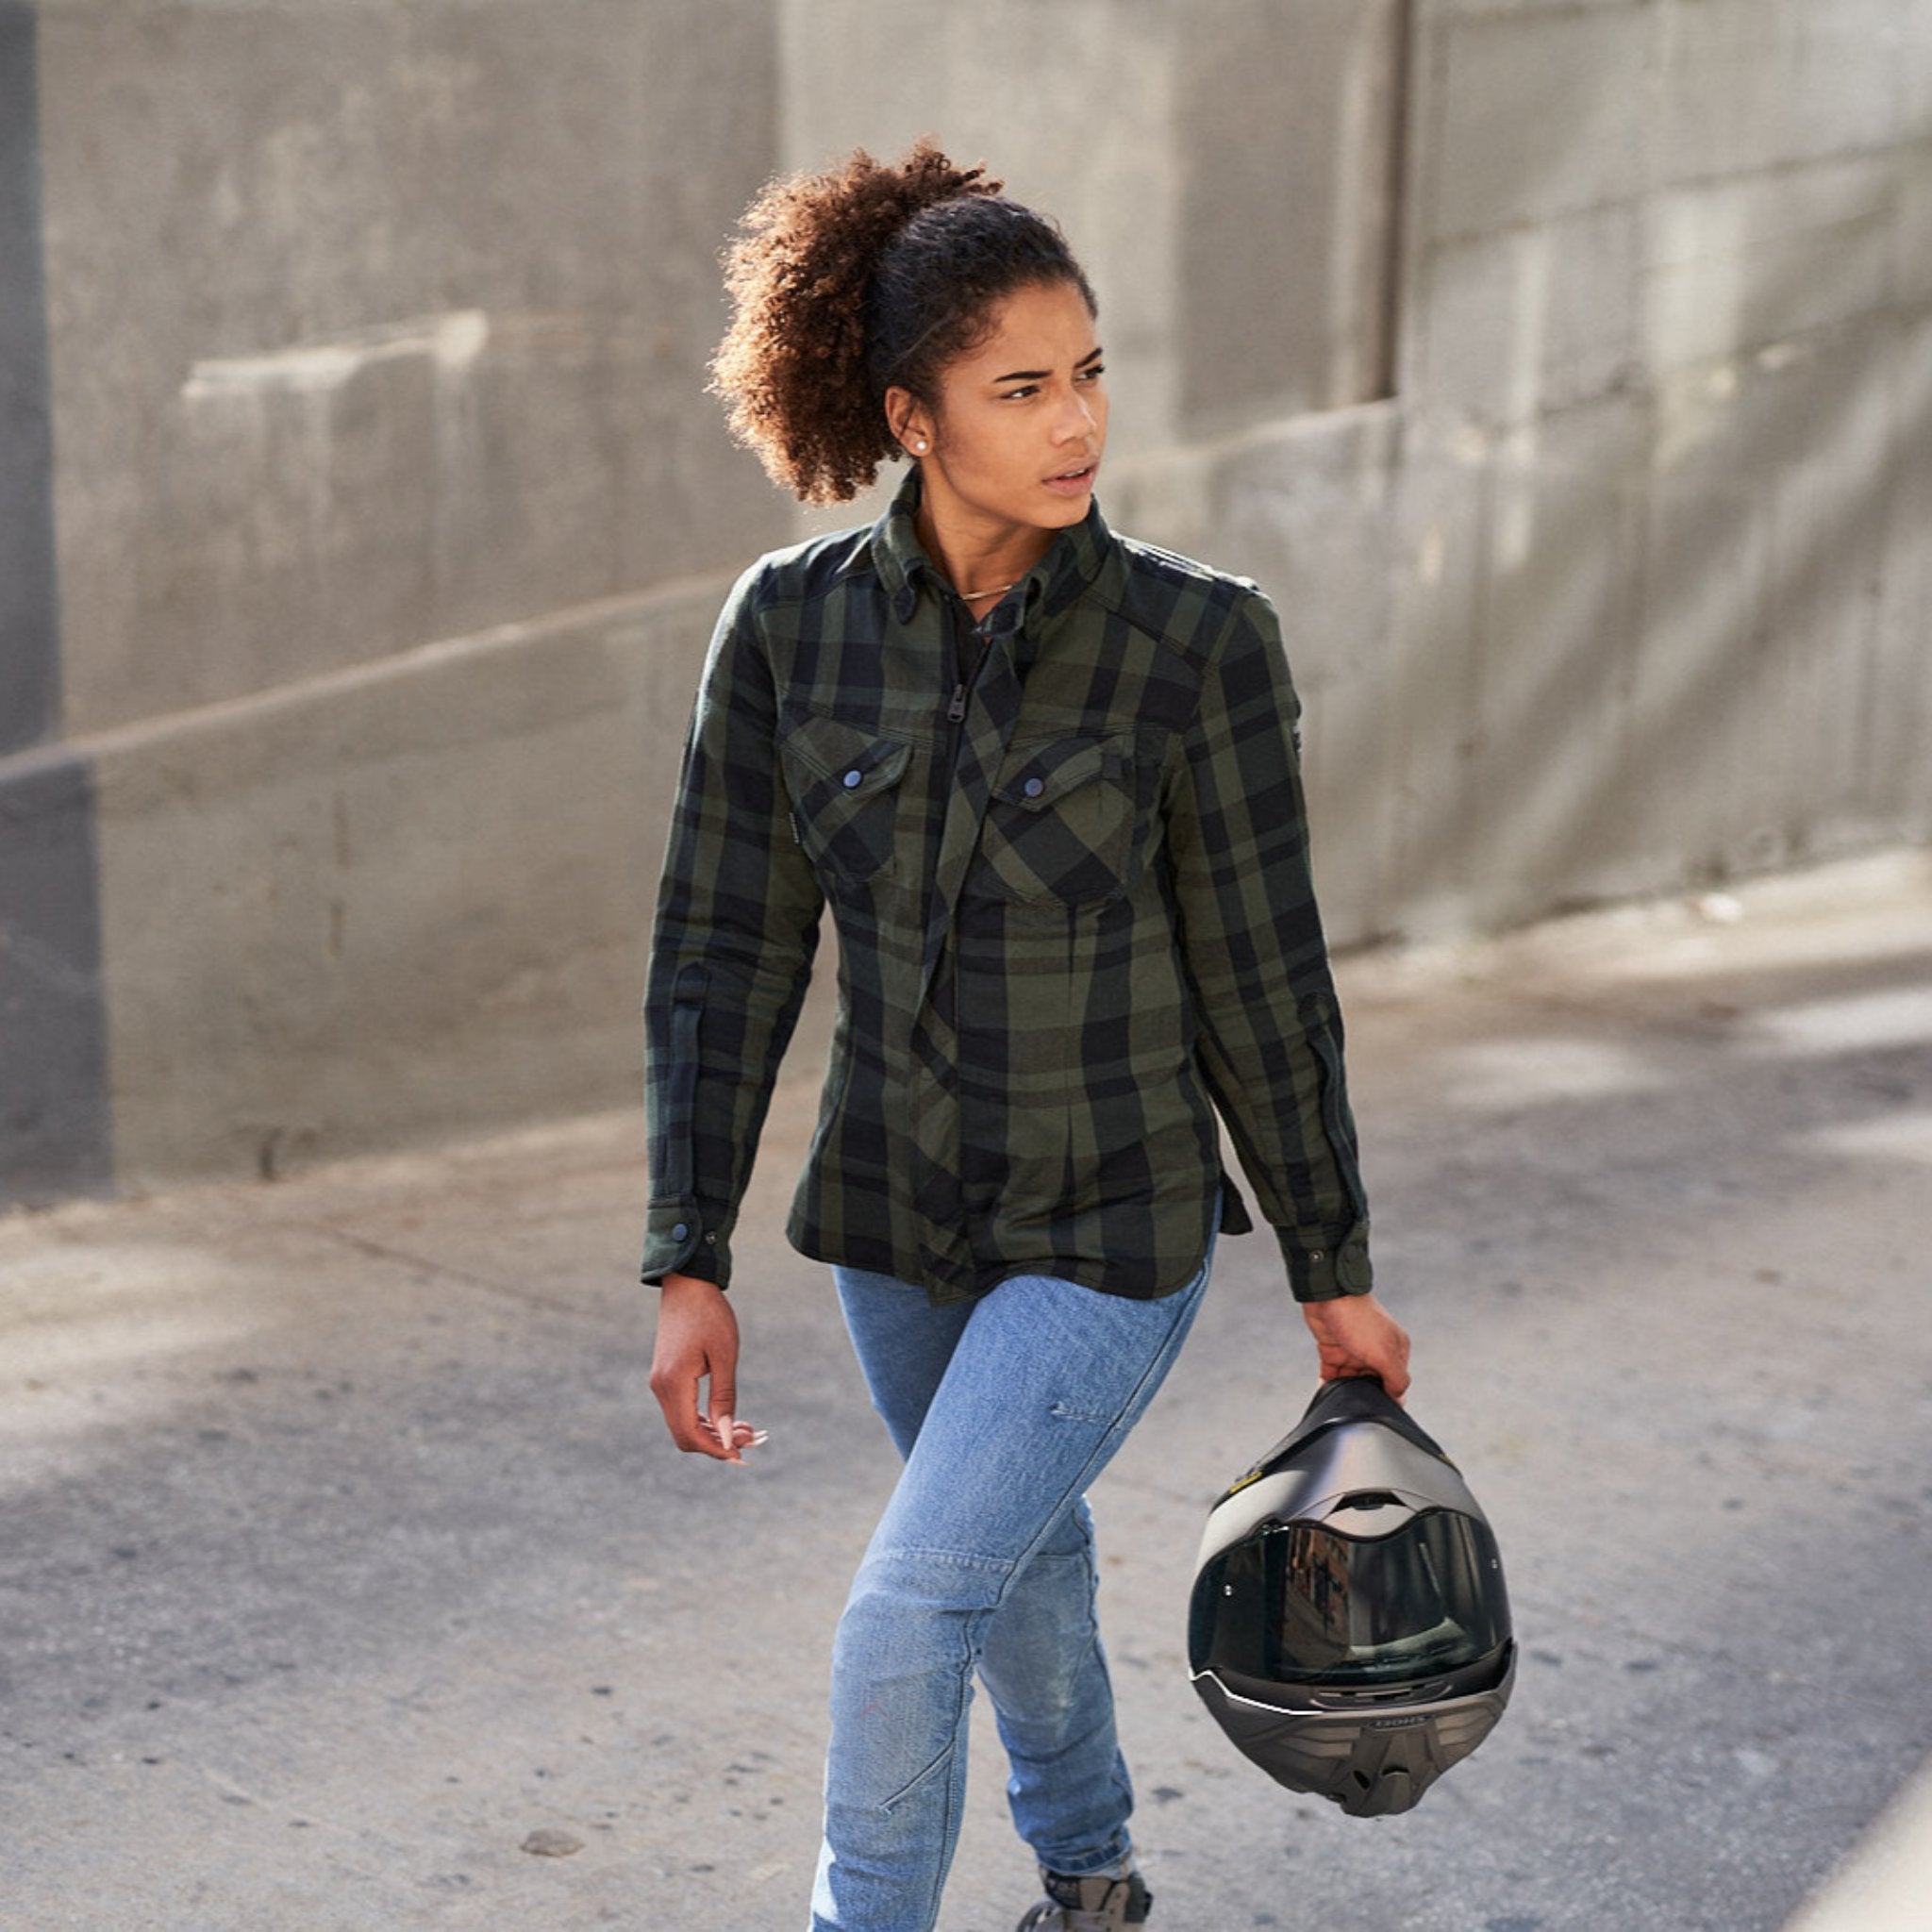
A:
1089	1905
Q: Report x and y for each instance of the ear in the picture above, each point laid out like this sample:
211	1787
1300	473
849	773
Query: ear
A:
909	420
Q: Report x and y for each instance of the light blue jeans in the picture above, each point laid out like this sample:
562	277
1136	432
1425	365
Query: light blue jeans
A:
1004	1410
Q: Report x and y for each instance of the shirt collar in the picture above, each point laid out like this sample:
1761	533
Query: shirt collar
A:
1074	560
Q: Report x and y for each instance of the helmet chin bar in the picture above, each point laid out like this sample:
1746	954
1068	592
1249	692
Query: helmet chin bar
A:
1373	1764
1349	1628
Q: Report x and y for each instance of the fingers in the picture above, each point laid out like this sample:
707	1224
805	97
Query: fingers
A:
685	1417
1394	1371
723	1419
698	1432
746	1435
719	1430
724	1405
676	1380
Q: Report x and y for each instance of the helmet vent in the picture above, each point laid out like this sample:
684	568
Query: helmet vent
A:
1373	1499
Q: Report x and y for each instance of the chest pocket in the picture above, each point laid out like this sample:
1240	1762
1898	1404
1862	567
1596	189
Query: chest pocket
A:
1059	826
844	787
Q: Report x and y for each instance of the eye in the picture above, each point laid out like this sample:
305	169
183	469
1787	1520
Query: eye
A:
1093	372
1019	394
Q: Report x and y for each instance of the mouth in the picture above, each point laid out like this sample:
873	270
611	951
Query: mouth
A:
1071	482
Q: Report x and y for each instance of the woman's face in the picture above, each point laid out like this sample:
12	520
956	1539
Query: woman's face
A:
1016	438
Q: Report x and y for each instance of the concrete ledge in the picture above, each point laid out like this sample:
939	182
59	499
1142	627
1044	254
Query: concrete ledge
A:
393	903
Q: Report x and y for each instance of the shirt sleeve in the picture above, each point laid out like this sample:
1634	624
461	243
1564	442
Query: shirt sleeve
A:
1269	1028
731	951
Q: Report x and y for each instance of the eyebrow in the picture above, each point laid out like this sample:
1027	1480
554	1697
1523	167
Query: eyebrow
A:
1041	375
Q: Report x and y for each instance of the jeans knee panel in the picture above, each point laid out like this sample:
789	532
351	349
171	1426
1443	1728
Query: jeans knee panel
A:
902	1682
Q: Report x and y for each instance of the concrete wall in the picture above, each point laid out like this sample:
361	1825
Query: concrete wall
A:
372	343
372	326
1565	371
1628	588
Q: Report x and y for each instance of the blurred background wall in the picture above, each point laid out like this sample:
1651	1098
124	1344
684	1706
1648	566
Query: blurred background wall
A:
1564	371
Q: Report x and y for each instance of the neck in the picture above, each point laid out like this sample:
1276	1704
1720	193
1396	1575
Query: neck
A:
981	561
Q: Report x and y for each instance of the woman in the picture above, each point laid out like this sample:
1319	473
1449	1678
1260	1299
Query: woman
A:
1045	780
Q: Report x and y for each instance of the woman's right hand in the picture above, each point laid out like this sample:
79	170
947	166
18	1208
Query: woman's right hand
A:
697	1341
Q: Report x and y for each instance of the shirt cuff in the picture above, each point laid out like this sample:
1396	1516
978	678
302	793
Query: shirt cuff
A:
1324	1269
682	1238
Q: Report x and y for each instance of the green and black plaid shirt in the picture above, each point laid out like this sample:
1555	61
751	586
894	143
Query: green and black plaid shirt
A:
1066	854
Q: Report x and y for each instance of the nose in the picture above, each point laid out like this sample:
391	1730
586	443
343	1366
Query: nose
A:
1077	422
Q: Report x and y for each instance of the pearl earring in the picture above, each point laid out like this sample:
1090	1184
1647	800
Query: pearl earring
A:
919	447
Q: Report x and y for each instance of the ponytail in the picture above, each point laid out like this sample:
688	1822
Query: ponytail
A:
850	282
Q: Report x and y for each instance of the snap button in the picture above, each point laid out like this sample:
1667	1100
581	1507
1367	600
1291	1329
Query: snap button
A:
854	779
1035	787
680	1231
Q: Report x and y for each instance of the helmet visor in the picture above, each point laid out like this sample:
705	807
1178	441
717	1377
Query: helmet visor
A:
1298	1603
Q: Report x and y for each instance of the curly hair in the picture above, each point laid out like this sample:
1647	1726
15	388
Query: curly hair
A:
850	282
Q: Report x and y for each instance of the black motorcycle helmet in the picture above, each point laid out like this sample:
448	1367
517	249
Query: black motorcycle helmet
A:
1349	1628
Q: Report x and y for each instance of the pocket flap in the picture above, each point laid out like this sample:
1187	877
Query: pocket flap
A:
1035	777
853	759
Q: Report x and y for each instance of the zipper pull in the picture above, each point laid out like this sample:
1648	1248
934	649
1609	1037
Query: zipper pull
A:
955	711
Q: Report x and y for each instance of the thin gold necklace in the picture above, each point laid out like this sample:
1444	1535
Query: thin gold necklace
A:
998	591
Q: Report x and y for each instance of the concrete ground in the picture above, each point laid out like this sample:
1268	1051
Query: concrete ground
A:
347	1581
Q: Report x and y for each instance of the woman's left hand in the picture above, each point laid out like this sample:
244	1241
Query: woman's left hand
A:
1354	1334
